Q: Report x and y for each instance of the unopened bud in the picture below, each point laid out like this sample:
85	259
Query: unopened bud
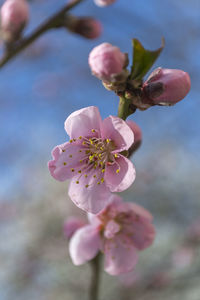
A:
107	62
85	26
137	136
166	87
14	16
104	2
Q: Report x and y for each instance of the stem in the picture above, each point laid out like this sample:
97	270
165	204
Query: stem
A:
94	287
124	108
54	21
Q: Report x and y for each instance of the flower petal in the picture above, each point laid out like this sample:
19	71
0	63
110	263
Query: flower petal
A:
143	233
140	211
118	131
84	244
81	122
120	255
66	160
90	194
120	181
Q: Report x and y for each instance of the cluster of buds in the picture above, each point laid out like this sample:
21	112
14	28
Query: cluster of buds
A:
163	87
14	17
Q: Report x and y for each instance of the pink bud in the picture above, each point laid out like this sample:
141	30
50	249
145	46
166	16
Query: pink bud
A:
107	61
166	87
14	16
71	225
104	2
85	26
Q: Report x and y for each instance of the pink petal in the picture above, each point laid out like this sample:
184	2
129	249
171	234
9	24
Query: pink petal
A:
66	161
120	255
118	182
81	122
140	211
143	233
118	131
88	194
71	225
84	244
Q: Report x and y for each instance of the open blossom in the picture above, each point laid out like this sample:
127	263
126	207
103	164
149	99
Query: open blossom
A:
104	2
119	231
14	16
107	61
93	158
166	87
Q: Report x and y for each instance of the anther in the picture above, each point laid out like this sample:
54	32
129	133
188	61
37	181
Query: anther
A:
117	171
77	182
72	169
80	137
70	155
64	163
79	171
80	161
86	185
85	175
103	170
63	150
70	141
93	130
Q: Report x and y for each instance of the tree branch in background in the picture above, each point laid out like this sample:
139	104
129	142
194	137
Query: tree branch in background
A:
55	21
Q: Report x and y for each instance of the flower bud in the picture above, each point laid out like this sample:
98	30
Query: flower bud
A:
85	26
71	225
104	2
166	87
14	16
107	62
137	136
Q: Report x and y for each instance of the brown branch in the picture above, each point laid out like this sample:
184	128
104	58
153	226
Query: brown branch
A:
55	21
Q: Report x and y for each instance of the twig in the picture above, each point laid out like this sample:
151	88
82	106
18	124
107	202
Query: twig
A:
55	21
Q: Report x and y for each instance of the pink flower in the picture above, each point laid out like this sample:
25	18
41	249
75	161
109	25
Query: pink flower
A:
106	62
166	87
104	2
71	225
137	136
119	231
93	158
85	26
14	16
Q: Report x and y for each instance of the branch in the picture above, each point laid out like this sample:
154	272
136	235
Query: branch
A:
55	21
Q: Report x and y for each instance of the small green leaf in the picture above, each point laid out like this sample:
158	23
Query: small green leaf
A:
143	59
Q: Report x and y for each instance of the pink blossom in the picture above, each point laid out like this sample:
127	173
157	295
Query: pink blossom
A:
166	87
137	136
71	225
104	2
119	231
14	16
93	158
107	61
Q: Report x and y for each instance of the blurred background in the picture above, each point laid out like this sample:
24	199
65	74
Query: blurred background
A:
38	90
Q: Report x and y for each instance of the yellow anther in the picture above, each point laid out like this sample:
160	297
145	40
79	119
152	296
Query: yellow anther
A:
93	130
64	163
103	170
80	161
70	155
108	140
91	142
117	171
85	175
77	182
72	169
91	157
98	182
80	151
86	185
74	140
80	137
83	143
94	176
63	150
116	155
100	155
101	163
87	151
79	171
102	180
70	141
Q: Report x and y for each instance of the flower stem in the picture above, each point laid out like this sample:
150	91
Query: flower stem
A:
55	21
124	108
94	287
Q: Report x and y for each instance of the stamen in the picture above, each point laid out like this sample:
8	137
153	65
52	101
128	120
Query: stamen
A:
117	171
93	130
77	182
64	163
63	150
72	169
86	185
80	137
70	155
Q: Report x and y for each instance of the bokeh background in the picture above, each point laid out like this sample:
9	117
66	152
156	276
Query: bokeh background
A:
38	90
